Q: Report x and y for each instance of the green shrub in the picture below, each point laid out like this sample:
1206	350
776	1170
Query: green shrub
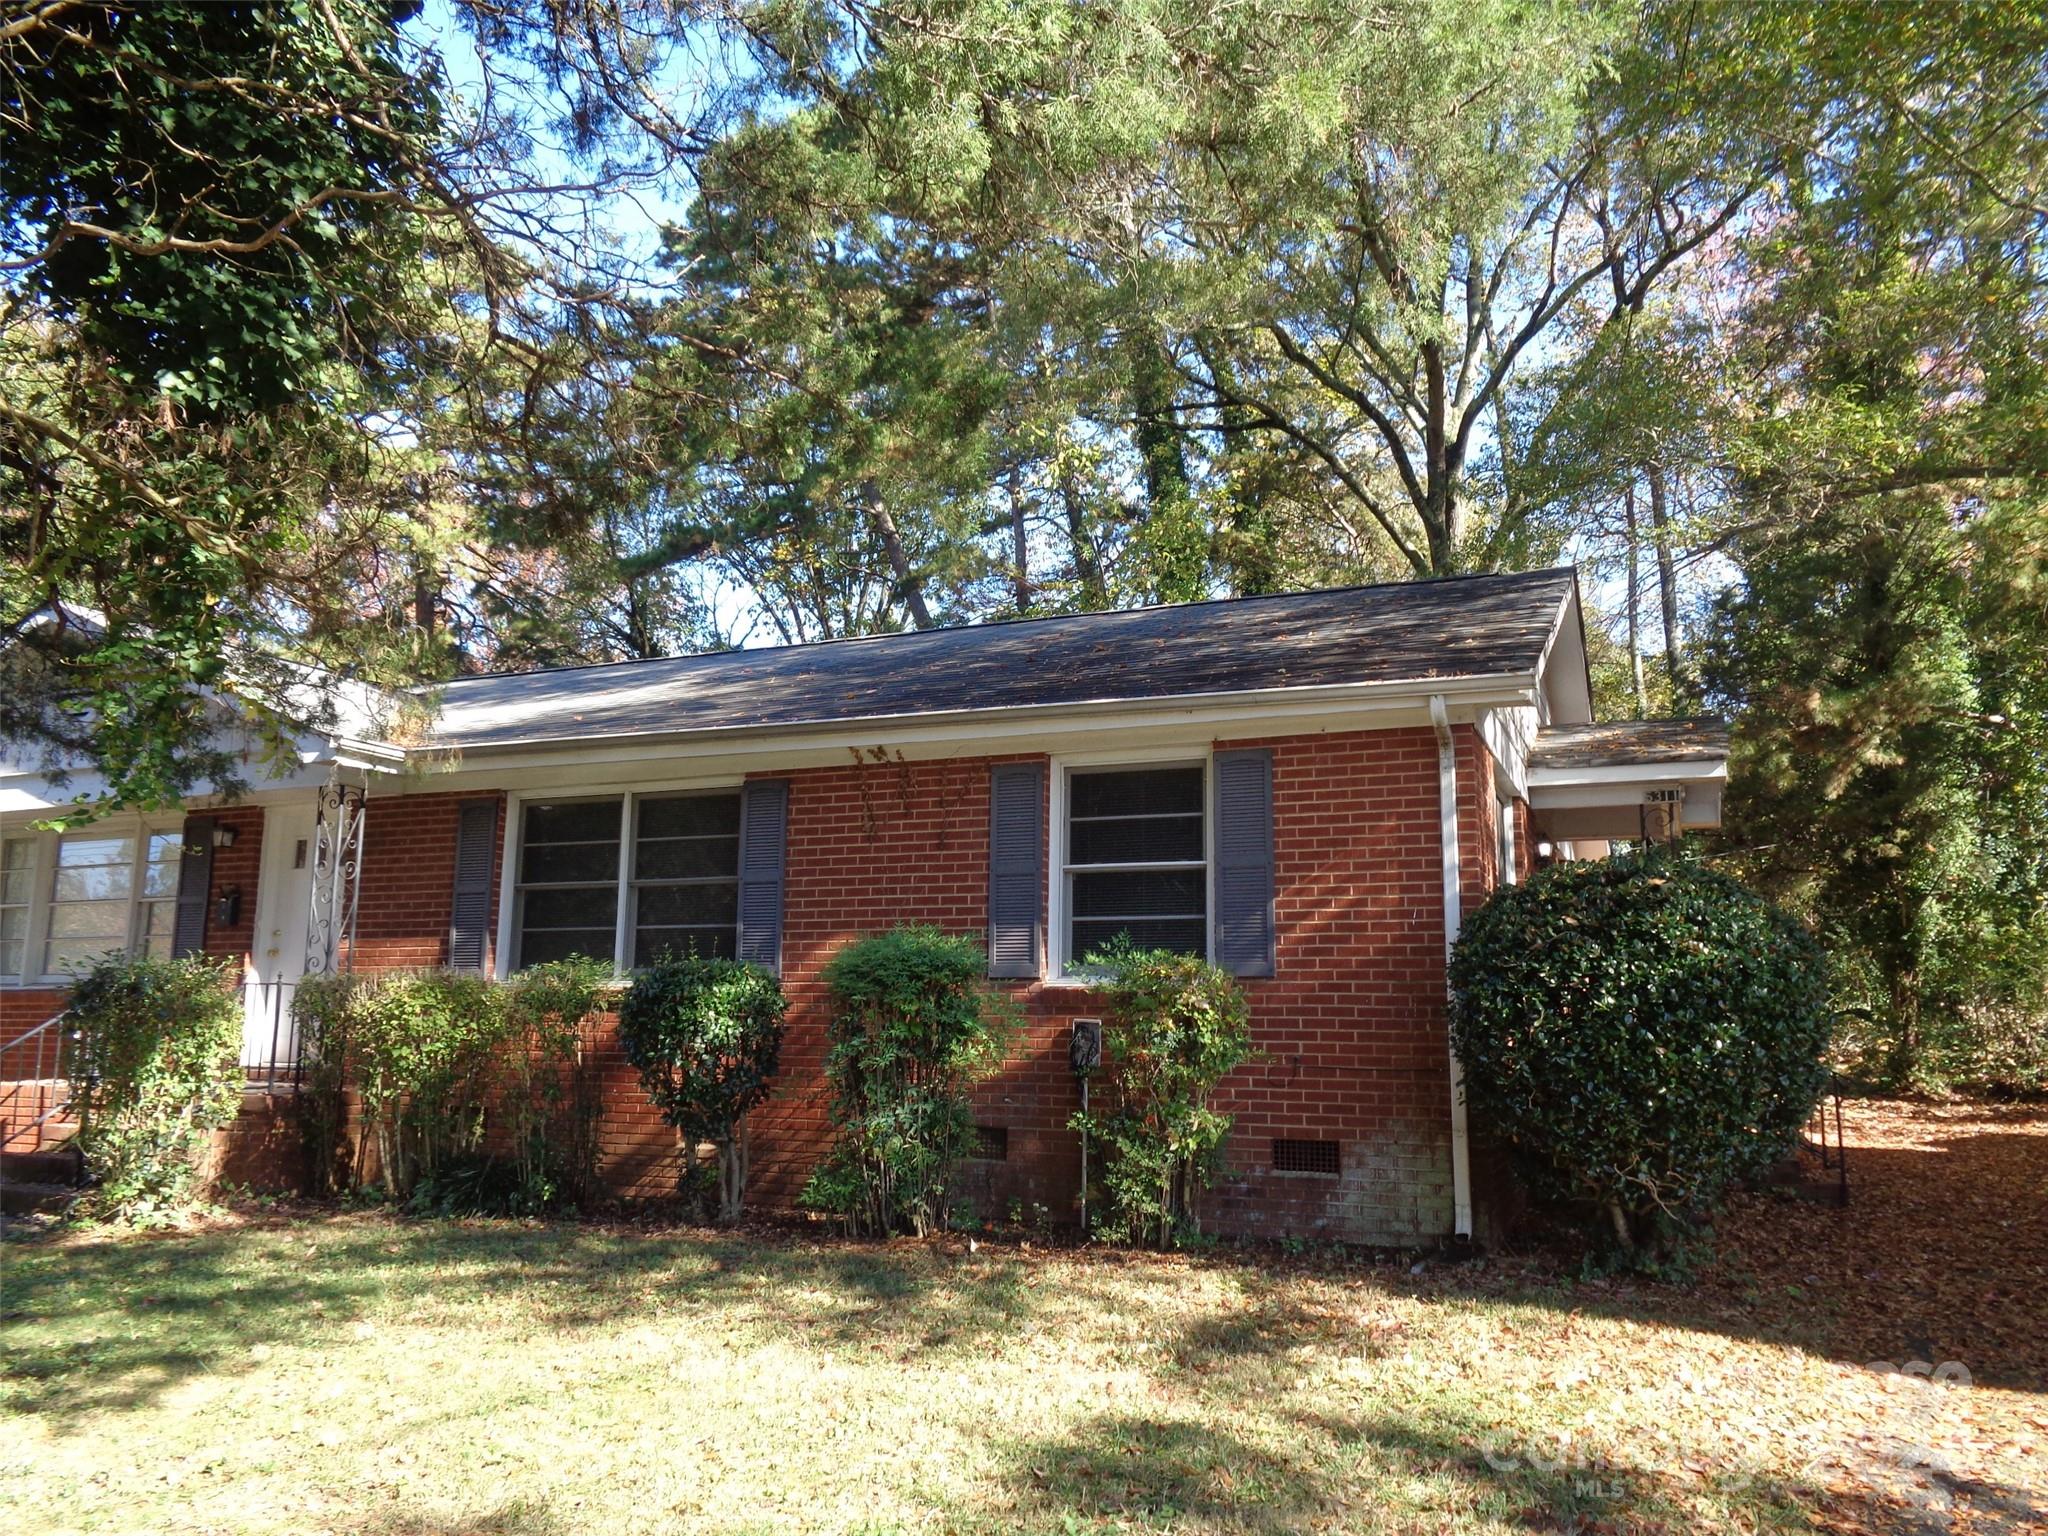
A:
438	1057
1177	1027
547	1091
154	1068
914	1027
1641	1033
320	1016
704	1036
423	1045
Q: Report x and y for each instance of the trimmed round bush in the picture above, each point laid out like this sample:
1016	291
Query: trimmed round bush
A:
1641	1032
705	1035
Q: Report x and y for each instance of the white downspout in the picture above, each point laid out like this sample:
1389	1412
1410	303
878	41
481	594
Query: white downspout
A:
1447	811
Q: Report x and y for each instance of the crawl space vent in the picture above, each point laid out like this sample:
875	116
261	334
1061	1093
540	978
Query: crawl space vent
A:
1306	1157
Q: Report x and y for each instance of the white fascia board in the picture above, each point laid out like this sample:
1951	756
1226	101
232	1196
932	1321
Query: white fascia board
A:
1564	685
29	792
1695	771
1185	720
1509	734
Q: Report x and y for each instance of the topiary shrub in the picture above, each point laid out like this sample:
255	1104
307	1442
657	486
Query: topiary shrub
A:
705	1035
1176	1027
1641	1033
153	1066
914	1027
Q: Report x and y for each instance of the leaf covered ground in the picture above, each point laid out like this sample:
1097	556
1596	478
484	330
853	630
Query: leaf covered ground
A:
317	1371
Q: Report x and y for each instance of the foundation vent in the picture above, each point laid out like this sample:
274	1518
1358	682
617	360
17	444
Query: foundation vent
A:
1306	1157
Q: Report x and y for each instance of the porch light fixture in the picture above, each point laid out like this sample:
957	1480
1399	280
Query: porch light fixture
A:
1544	850
224	835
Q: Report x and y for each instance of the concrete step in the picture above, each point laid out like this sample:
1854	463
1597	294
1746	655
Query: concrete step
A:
52	1165
32	1199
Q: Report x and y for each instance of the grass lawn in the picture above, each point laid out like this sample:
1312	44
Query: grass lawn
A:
355	1373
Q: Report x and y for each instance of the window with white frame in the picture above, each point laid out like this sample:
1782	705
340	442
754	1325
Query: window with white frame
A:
17	896
1135	860
111	892
678	890
686	876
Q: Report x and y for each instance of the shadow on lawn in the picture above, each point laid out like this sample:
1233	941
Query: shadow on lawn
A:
113	1324
521	1517
1286	1472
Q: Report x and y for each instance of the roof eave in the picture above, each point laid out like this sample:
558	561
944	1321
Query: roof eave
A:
1472	690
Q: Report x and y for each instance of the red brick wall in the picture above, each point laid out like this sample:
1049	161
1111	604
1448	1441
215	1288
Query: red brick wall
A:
235	868
408	881
23	1008
1350	1031
1352	1026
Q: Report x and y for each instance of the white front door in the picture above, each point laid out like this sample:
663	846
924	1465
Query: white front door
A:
283	890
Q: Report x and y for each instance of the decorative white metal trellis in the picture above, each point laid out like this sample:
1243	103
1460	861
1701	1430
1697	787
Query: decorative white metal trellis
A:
336	877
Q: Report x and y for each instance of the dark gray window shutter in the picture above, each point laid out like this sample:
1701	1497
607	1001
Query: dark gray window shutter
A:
469	915
1016	791
1244	862
764	833
195	881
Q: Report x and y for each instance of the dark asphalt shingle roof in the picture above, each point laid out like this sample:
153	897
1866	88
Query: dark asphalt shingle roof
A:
1474	626
1627	743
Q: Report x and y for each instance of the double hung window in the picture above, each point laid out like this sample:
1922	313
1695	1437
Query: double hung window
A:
627	878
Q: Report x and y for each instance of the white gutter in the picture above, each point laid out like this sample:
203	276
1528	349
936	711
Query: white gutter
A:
1454	917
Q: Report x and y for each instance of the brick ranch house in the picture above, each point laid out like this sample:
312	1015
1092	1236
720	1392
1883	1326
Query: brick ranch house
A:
1309	788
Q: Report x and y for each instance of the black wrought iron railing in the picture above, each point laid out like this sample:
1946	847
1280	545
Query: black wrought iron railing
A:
1824	1131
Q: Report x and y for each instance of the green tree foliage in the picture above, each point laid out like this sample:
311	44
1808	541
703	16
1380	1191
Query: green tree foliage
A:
195	202
1891	772
276	325
705	1035
153	1066
914	1027
1177	1027
1641	1034
1885	648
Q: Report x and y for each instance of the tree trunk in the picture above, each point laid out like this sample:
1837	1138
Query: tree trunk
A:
909	586
1635	598
1619	1219
1178	548
1667	590
1087	568
425	593
1020	544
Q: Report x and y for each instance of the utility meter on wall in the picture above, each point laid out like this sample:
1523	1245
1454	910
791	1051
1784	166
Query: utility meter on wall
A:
1084	1050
